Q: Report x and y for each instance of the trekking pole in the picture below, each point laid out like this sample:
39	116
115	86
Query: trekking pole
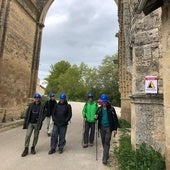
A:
96	128
83	132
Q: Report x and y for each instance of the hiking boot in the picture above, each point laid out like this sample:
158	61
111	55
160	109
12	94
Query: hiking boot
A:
51	151
85	145
33	150
25	152
90	144
48	134
104	160
60	150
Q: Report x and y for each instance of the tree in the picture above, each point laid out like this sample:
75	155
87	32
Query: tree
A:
76	81
70	83
109	79
89	77
56	71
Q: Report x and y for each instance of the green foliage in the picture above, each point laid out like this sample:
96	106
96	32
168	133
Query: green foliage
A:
56	71
109	79
149	158
125	154
76	81
124	124
44	99
144	158
71	84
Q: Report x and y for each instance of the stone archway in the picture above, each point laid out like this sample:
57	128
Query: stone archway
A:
21	24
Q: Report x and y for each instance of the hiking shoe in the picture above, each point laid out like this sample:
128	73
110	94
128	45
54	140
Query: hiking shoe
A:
104	160
90	144
60	150
48	134
33	150
107	157
85	146
51	151
25	152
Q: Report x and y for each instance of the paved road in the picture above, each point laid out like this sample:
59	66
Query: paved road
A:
74	156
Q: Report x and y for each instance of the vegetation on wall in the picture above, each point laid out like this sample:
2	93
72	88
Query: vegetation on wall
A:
143	158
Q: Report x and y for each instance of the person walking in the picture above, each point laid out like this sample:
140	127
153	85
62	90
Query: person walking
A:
88	113
34	116
49	107
61	115
107	123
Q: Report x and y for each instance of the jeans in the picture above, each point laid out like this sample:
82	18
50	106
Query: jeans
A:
58	137
89	126
106	137
30	129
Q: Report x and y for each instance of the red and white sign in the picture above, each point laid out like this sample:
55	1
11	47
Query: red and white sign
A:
151	84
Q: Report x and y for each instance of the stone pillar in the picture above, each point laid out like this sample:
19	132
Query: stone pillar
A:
166	74
36	59
148	120
124	57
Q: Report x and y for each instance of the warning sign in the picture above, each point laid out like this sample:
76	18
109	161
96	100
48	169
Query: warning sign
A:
151	84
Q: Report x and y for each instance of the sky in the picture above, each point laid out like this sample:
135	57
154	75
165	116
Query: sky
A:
78	31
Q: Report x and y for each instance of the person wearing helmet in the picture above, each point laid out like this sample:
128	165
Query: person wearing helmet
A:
107	123
49	108
34	116
88	113
61	115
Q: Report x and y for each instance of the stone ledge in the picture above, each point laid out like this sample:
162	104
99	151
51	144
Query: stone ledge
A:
9	125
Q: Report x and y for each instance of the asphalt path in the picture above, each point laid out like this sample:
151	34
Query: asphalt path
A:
74	156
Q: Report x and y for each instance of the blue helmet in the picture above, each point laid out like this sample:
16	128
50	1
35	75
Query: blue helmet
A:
52	95
62	96
104	98
90	95
37	95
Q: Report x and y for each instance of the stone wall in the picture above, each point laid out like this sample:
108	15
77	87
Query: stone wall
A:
148	111
16	60
140	56
21	24
165	70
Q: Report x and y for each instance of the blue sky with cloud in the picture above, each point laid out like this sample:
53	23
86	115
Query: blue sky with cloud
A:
78	31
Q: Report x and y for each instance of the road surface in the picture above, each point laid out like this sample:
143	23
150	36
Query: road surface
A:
74	156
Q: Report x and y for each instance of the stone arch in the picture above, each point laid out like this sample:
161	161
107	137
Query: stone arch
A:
45	10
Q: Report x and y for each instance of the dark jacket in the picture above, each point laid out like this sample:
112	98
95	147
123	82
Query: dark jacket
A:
112	117
49	105
62	114
41	117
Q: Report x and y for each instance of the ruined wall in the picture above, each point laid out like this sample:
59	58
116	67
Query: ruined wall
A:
124	55
140	55
147	109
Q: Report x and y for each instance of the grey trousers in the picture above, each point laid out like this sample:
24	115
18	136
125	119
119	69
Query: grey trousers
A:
106	137
30	129
89	132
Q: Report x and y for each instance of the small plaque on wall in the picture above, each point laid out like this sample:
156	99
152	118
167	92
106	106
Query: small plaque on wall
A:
151	84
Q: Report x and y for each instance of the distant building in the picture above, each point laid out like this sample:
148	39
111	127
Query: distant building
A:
40	88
